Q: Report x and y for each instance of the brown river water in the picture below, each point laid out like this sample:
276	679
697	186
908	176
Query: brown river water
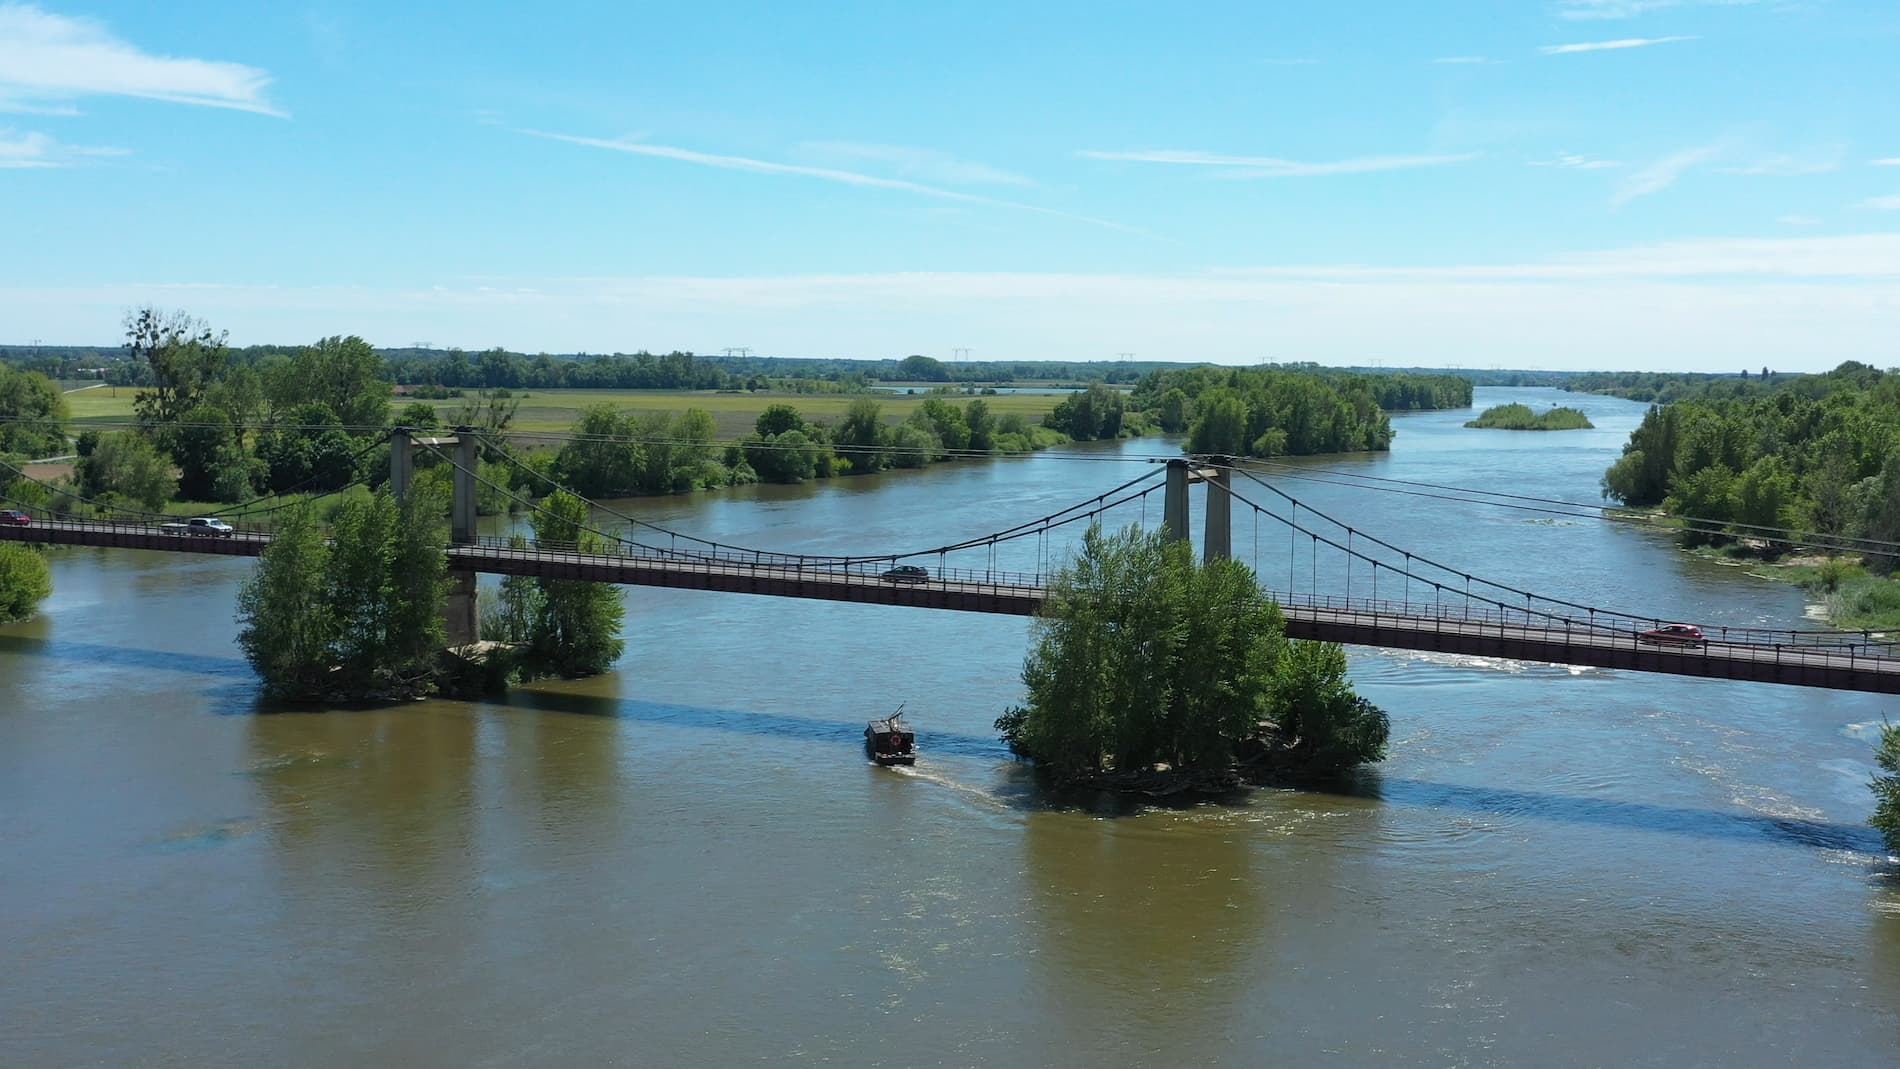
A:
688	862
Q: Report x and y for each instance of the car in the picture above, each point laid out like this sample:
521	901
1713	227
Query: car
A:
1674	635
15	518
906	573
200	527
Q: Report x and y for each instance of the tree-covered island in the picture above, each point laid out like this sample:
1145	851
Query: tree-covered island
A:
1150	672
1520	417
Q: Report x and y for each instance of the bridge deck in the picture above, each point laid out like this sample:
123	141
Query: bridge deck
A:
1848	665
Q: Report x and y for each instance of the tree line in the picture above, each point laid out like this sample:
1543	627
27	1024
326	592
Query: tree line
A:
1294	410
1821	454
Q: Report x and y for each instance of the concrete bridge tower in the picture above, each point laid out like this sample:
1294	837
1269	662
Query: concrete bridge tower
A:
461	617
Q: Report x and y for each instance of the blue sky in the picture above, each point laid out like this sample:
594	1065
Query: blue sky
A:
1685	184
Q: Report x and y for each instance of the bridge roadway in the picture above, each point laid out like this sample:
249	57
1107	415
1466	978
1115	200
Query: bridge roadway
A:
1799	661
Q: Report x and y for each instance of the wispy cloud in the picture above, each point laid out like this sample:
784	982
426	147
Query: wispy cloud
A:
1607	46
1274	167
1624	9
1797	220
921	163
828	174
1572	161
1463	60
1883	204
1662	174
32	149
1890	162
47	60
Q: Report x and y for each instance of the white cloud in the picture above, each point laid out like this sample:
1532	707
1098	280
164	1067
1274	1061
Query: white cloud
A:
1573	161
48	59
31	149
1890	162
1696	304
1273	167
1605	46
927	164
828	174
1797	220
1662	174
1883	204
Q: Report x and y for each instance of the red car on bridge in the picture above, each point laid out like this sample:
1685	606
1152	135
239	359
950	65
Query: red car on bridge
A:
1687	635
15	518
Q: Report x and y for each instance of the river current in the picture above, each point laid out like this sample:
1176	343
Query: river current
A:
687	862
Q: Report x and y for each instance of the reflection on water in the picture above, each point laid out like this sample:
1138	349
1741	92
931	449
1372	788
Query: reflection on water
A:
689	861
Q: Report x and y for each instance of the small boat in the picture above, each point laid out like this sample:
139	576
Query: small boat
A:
890	741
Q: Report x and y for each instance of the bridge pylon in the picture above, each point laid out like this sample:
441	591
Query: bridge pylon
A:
1217	473
1174	501
460	617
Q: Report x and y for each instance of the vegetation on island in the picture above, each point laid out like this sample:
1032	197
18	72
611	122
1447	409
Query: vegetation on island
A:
356	617
1812	453
558	627
1149	671
1519	417
1293	410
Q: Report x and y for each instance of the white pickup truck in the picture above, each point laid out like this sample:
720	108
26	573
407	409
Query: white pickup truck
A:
200	527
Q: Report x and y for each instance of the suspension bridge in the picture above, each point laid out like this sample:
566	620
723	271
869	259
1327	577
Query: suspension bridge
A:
1386	596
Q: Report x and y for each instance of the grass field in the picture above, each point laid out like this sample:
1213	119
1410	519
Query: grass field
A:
557	410
735	413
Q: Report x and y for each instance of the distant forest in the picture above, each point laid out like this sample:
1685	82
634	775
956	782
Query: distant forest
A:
500	368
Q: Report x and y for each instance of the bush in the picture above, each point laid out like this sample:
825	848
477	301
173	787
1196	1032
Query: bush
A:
1887	787
24	581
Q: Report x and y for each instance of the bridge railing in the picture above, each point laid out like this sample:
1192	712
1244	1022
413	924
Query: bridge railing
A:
1452	608
1760	646
743	563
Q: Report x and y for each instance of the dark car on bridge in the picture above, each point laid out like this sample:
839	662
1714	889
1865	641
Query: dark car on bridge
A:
906	573
1687	635
14	518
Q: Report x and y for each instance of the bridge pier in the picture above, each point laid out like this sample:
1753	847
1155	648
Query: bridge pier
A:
1219	544
1174	510
462	616
402	463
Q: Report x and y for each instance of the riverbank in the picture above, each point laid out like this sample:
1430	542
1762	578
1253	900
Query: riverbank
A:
1841	592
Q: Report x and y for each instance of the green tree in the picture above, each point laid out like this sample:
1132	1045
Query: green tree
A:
24	581
420	415
343	374
182	357
946	421
1174	411
517	608
1318	714
577	628
31	414
1222	424
212	466
777	419
287	625
860	436
982	424
602	460
1886	787
125	467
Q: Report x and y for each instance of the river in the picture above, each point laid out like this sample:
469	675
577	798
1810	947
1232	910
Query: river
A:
688	862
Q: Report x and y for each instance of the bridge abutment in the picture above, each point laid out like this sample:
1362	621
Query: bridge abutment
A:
1219	544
